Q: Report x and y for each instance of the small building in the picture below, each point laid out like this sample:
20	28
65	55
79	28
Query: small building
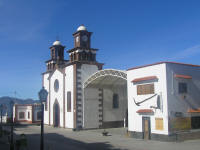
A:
28	113
163	99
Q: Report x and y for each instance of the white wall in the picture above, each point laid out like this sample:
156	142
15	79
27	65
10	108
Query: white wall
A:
89	100
87	71
176	103
24	109
135	119
69	80
46	86
56	95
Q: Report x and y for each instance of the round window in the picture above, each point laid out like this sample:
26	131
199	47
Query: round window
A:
56	85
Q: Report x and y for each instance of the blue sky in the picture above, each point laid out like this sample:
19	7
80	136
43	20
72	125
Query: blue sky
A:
127	33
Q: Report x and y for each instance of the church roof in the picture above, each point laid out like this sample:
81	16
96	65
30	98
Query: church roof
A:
81	28
57	42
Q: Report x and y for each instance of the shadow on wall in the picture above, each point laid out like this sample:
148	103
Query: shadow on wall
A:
55	141
195	95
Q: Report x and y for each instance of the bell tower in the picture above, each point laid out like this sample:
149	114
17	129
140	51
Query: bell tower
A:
57	51
82	51
82	37
57	56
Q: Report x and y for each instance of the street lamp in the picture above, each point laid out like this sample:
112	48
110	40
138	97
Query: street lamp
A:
11	138
43	98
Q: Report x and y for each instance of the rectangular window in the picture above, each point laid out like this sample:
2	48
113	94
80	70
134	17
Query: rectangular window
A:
28	115
21	115
115	100
182	87
159	123
145	89
69	101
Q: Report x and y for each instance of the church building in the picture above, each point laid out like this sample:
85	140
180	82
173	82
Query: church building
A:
77	99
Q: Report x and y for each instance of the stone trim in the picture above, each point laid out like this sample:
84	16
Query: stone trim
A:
75	97
49	102
100	108
79	97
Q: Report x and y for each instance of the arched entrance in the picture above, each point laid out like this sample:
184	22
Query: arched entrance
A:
105	99
56	114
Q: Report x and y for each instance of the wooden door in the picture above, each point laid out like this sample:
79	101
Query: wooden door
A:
146	128
56	115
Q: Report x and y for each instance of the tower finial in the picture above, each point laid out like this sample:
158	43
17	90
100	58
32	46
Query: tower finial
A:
81	28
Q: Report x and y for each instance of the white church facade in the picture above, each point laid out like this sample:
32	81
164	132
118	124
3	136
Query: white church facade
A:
77	99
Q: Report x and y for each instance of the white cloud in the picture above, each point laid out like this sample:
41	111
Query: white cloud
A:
189	52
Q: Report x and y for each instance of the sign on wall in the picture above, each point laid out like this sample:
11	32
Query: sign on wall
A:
159	123
145	89
180	123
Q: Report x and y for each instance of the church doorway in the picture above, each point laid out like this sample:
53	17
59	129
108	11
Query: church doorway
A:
56	114
105	100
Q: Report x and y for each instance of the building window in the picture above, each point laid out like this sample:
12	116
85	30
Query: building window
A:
69	101
21	115
39	115
28	115
145	89
56	85
115	100
182	87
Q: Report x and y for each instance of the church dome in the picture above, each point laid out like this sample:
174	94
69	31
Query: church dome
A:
57	42
81	28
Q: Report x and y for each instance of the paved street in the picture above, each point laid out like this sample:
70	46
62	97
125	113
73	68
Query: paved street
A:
65	139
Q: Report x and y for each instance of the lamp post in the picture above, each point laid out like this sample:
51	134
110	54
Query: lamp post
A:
11	137
43	98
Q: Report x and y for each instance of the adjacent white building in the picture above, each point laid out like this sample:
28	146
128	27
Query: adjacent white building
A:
163	98
28	113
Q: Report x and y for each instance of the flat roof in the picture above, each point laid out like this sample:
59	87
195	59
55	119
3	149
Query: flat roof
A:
163	63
